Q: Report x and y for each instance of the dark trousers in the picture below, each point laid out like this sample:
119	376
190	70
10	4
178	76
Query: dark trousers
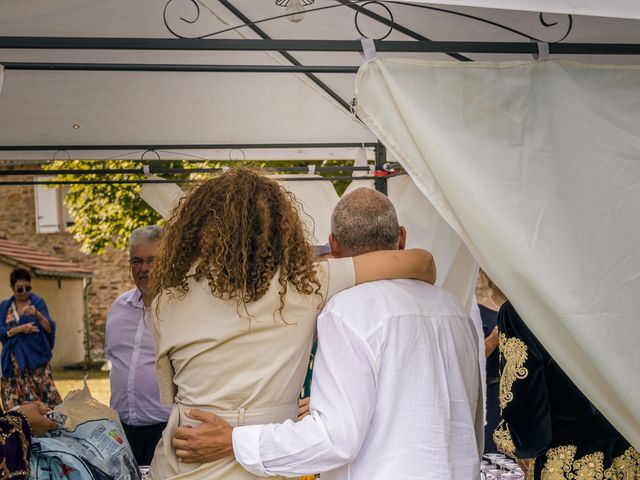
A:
143	440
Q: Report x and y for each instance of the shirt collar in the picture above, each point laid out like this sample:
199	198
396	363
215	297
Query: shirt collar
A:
134	298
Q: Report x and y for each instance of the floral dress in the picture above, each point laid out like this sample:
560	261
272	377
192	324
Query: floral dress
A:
29	384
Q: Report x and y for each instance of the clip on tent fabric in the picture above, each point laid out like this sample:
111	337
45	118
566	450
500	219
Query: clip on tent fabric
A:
543	51
368	48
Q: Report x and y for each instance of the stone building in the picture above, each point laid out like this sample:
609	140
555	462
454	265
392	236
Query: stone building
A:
19	223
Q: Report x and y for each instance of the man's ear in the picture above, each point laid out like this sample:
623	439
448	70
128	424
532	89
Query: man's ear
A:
335	248
402	239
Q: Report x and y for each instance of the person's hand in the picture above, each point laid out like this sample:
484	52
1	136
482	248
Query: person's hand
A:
35	413
29	328
304	408
29	310
491	342
494	334
204	443
524	464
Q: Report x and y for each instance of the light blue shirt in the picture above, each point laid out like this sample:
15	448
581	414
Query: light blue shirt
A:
128	343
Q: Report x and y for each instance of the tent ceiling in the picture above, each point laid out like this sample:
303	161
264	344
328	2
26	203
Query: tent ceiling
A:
125	108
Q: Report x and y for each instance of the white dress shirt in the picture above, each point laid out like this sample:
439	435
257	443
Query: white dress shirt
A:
395	393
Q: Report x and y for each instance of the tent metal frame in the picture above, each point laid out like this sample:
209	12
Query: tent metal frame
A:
382	169
300	45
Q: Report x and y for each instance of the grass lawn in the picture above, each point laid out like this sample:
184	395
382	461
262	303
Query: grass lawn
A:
67	380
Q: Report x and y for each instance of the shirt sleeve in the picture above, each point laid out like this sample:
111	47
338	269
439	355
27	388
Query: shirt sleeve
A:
342	404
340	275
525	430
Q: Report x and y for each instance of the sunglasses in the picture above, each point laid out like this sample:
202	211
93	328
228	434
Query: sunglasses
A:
21	289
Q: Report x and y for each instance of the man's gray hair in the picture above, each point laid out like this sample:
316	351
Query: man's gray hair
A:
150	233
365	221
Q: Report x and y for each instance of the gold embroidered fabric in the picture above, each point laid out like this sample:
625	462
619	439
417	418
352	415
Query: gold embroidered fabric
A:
560	465
588	467
531	471
625	467
559	462
503	441
514	352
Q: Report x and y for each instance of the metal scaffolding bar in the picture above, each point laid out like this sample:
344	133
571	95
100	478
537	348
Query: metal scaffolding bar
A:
94	43
168	170
142	181
148	67
189	146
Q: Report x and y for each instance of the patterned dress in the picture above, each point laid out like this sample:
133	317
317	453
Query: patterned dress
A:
29	384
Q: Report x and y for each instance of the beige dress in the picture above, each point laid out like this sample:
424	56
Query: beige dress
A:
246	371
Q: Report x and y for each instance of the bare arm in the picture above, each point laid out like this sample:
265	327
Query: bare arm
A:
491	342
414	263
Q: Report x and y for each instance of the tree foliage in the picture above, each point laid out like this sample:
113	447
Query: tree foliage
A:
106	214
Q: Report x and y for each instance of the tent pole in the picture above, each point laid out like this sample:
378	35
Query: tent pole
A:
188	146
392	46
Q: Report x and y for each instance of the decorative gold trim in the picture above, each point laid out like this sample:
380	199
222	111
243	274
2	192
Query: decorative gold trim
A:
515	354
502	439
588	467
625	467
559	462
560	465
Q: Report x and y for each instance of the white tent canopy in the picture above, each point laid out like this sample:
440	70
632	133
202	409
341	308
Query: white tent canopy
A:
133	108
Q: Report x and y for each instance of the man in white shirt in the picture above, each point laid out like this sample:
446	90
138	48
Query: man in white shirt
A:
396	383
129	346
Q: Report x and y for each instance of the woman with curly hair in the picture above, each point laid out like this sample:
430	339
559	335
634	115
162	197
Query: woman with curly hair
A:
236	294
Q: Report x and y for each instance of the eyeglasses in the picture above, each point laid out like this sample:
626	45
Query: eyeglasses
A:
22	289
137	262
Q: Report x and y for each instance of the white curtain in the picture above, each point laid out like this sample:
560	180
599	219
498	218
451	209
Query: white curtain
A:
537	167
317	200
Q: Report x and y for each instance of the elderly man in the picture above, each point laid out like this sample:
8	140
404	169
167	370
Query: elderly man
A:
129	345
396	383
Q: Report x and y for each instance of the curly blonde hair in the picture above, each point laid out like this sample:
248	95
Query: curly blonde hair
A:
239	229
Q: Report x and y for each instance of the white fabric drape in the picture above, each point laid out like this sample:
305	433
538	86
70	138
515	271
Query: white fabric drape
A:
537	167
317	199
162	197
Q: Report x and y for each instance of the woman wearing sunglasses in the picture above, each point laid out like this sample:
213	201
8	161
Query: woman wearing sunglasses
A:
27	333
